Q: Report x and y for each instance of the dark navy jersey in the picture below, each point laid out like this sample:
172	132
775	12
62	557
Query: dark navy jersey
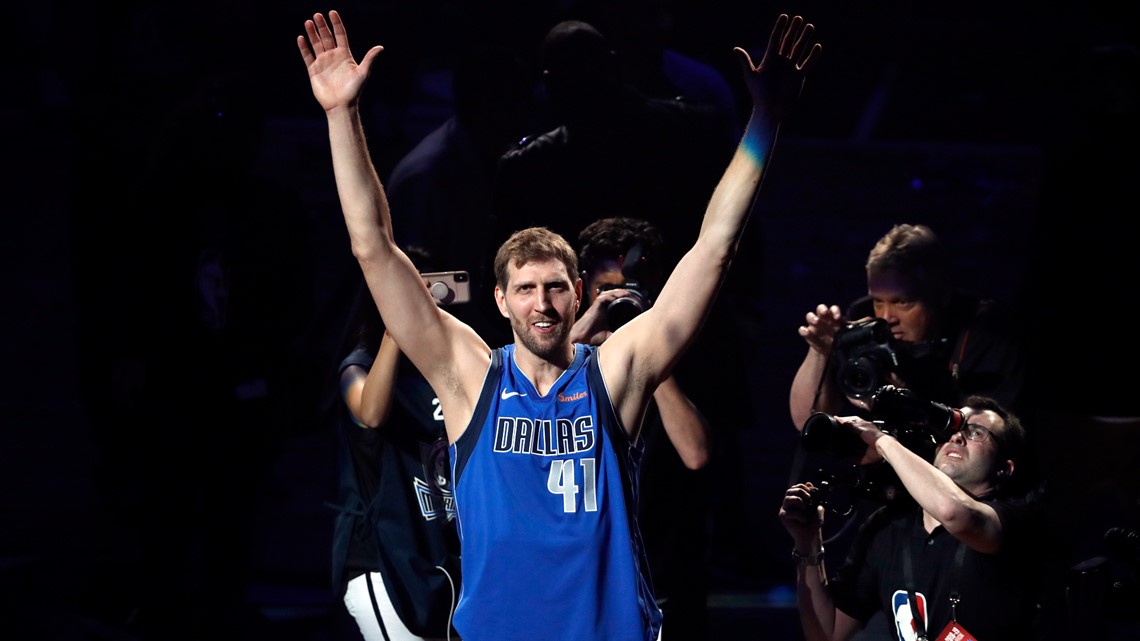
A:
546	490
396	514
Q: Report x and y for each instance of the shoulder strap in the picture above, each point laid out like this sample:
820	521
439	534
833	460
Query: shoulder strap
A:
912	598
908	575
466	443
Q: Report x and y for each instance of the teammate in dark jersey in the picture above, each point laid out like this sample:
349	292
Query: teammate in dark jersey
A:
395	560
563	447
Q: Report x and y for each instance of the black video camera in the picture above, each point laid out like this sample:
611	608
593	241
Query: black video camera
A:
866	355
622	310
918	424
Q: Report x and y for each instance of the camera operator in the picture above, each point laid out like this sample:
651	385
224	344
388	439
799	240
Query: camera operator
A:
962	555
949	343
622	264
944	343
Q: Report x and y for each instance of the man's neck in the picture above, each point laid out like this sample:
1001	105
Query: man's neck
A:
542	372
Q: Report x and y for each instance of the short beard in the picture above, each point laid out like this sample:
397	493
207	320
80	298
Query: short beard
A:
549	347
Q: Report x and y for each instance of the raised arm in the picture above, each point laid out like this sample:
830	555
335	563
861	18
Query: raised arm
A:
973	522
450	355
644	351
368	395
685	424
810	390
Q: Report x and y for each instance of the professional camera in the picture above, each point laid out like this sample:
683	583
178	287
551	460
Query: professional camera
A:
622	310
918	424
865	354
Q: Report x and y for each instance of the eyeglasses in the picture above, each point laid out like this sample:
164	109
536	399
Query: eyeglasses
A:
978	433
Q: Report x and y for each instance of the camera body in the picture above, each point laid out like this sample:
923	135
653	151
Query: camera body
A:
866	355
918	424
900	407
622	310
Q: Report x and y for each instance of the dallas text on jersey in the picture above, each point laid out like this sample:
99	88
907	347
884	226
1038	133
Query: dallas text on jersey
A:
544	437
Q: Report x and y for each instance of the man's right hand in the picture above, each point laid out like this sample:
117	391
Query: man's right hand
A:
800	516
335	76
593	327
821	326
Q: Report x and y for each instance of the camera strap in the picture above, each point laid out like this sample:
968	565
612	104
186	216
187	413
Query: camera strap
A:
908	576
827	367
955	361
915	615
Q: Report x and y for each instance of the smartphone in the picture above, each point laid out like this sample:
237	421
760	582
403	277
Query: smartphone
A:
448	288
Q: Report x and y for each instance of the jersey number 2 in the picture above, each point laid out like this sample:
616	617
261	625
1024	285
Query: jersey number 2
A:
562	480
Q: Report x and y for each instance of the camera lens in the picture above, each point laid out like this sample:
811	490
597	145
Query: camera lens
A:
822	433
859	377
622	310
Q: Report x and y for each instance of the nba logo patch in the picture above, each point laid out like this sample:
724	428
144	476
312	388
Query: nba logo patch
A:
905	625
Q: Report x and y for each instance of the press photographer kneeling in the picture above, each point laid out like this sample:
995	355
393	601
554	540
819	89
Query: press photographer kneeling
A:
959	561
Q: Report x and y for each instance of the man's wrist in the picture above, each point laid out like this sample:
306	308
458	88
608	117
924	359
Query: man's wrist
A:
807	559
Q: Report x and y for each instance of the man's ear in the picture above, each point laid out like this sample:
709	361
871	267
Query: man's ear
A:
501	301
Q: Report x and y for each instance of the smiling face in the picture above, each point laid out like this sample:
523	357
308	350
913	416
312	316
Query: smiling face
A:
977	466
541	300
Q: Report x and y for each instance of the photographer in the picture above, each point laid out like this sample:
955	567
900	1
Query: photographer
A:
621	261
962	556
940	341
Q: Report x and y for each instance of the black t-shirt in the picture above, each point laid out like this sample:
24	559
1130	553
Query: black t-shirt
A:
998	592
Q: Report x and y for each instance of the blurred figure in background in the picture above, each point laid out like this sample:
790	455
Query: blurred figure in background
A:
620	259
441	190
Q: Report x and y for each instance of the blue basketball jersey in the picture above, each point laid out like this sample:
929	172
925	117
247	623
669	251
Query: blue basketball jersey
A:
546	494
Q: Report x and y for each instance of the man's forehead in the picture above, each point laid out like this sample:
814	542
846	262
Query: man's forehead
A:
605	269
985	418
538	271
889	283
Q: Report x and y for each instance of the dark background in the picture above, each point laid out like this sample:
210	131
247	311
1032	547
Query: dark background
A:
983	120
